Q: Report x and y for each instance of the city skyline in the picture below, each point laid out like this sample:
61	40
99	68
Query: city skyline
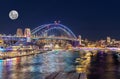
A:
59	39
92	19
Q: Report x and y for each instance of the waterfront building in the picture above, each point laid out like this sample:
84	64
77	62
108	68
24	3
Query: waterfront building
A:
1	42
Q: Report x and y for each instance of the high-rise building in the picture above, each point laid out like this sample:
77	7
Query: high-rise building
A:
113	41
19	32
108	39
27	33
79	38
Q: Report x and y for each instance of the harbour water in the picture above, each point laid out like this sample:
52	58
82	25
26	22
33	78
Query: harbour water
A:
104	67
40	66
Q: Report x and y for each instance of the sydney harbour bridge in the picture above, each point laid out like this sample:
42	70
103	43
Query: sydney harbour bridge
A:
47	33
54	33
57	31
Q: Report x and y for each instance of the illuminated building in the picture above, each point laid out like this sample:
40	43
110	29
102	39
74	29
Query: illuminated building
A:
113	41
27	33
108	39
19	32
79	38
1	41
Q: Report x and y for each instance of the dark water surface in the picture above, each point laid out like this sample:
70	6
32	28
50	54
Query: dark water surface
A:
42	65
104	67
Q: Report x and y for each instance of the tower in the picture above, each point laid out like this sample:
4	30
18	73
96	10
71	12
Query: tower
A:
19	32
79	38
108	40
27	34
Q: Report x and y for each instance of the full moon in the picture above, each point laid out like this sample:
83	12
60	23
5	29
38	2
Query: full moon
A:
13	14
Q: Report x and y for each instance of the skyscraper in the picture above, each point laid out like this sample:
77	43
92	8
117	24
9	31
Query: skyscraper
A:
108	40
19	32
79	38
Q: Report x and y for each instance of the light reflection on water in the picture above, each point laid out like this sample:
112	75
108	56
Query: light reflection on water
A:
37	66
104	67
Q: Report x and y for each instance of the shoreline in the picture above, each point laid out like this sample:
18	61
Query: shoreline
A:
18	54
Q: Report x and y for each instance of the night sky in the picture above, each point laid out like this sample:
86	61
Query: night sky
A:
91	19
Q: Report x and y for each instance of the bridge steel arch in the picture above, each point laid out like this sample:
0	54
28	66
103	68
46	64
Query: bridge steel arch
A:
49	28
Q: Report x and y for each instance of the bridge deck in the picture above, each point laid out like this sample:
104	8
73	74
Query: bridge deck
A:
62	75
